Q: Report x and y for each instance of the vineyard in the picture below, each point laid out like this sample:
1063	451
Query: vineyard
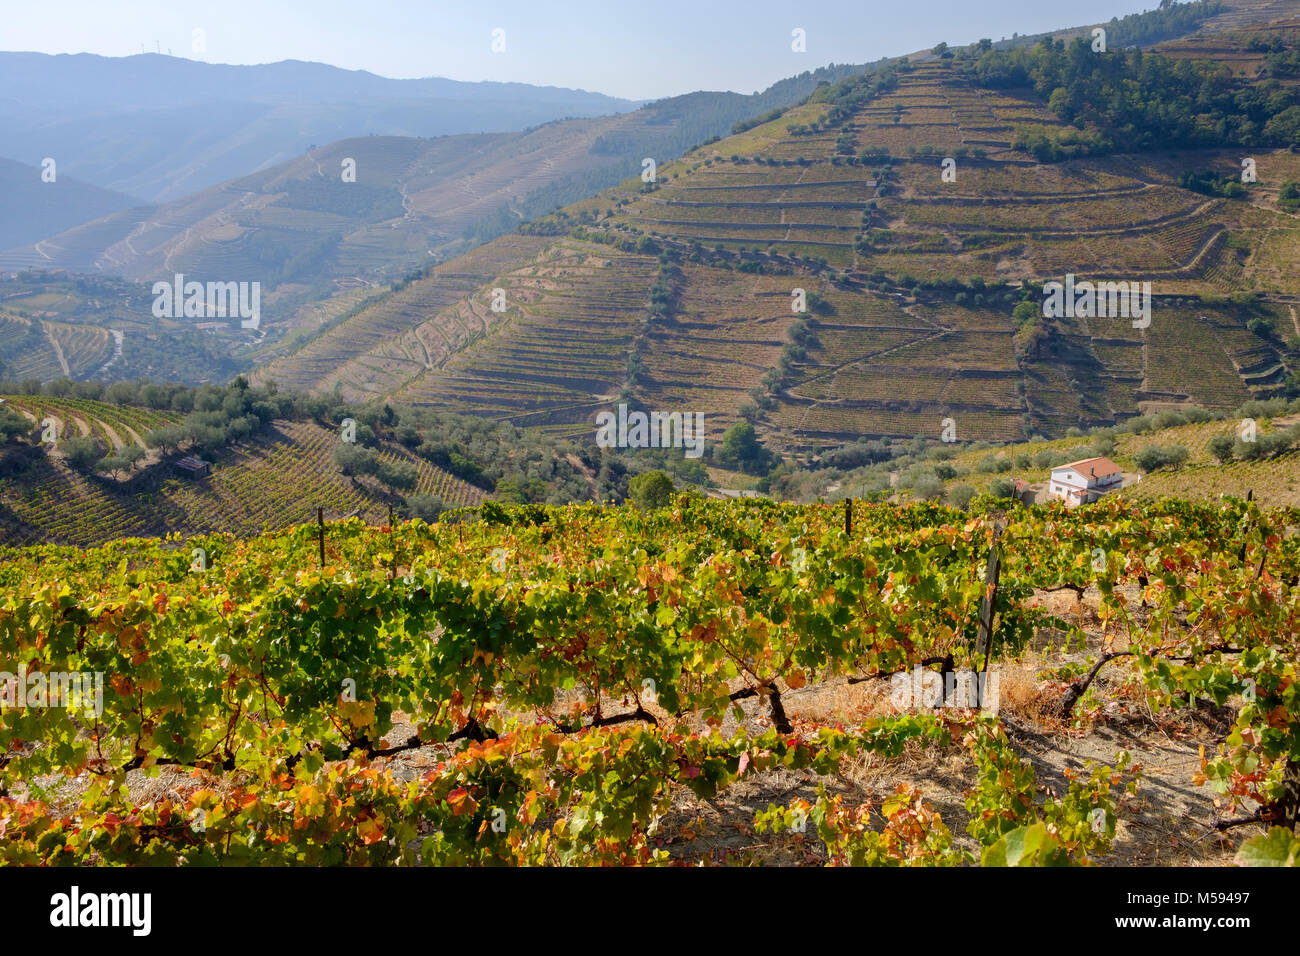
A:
114	425
1272	481
725	683
276	479
358	351
850	202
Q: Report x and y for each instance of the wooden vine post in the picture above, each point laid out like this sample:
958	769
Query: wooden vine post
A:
1241	555
1290	802
392	545
848	516
984	643
320	534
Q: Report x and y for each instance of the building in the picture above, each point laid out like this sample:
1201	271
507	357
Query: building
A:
1082	481
192	467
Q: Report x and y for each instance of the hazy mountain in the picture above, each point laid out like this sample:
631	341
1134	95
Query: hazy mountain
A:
33	209
159	127
298	224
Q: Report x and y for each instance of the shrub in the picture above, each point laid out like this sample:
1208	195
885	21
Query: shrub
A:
959	496
1221	447
13	425
650	489
401	475
356	460
425	507
1160	456
82	452
1002	488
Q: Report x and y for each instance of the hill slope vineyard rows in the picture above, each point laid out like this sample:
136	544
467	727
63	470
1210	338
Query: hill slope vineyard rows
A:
575	667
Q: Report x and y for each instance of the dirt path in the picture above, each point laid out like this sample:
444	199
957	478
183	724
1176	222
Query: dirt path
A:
118	337
58	350
109	431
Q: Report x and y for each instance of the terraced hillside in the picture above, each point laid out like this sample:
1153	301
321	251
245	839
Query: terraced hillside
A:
1003	215
55	325
559	349
112	425
396	337
679	294
279	478
1272	480
361	212
410	198
1240	14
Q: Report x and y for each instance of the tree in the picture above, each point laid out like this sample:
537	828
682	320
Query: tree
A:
993	463
1261	326
1002	488
927	487
13	425
1025	313
425	507
356	460
168	438
82	452
1148	459
1284	127
1160	456
741	448
400	475
959	496
650	489
1175	455
1221	447
120	461
510	492
130	454
1248	450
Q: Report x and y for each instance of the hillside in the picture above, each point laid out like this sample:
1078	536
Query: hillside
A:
56	325
677	293
274	479
35	209
313	239
126	123
1268	469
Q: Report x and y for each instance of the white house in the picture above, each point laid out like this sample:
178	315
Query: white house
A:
1083	481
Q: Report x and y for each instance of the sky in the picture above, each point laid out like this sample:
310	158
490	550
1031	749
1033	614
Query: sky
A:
630	48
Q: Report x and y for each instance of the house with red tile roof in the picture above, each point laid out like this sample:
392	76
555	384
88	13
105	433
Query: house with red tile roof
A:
1085	480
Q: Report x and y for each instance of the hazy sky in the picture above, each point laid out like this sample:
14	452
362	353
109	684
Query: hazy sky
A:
624	48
